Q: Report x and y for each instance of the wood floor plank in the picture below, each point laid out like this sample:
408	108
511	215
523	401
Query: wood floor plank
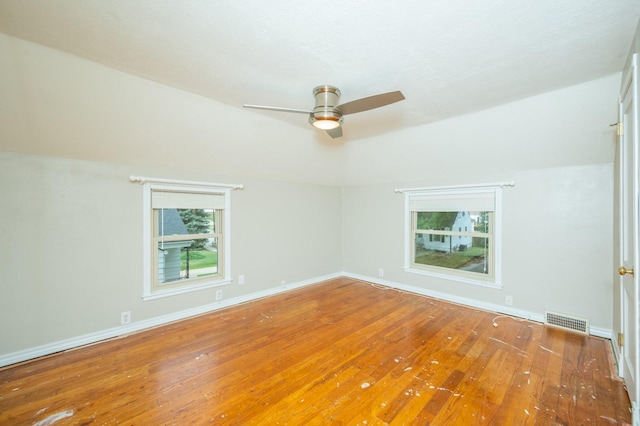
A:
340	352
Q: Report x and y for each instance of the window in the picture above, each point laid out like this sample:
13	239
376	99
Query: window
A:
454	233
186	238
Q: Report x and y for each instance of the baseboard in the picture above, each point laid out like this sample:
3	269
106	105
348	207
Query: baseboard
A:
74	342
473	303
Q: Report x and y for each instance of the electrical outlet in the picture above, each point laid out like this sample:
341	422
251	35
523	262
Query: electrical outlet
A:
381	272
508	300
218	294
240	279
125	317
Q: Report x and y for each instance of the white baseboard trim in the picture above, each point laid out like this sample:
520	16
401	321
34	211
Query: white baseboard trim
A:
74	342
601	332
473	303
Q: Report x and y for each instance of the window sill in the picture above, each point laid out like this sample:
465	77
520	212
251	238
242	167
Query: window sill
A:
158	294
489	284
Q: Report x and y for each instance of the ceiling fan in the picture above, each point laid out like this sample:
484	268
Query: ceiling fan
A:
327	113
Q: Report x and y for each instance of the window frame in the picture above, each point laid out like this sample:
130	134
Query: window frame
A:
151	289
494	254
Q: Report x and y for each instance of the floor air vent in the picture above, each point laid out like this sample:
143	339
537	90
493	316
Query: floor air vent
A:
567	322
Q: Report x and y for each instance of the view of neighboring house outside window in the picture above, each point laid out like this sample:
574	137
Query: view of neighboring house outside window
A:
454	234
186	244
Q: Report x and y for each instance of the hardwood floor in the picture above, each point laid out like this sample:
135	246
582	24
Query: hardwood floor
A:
339	352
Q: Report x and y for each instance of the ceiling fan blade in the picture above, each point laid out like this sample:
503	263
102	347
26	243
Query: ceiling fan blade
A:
280	109
371	102
335	133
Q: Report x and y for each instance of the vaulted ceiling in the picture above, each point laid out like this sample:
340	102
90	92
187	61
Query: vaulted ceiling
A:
449	57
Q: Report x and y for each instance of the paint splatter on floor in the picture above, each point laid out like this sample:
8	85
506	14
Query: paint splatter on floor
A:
54	418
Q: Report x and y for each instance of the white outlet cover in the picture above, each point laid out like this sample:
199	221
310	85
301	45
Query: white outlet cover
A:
125	317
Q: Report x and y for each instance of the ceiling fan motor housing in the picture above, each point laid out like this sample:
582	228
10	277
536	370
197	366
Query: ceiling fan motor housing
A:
324	114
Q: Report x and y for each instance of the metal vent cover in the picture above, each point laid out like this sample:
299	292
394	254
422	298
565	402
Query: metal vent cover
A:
568	322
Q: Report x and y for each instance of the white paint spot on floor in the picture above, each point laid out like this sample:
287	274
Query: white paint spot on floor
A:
365	385
505	343
54	418
546	349
407	369
434	362
526	411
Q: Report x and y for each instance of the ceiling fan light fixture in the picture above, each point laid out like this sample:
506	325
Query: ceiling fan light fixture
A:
325	123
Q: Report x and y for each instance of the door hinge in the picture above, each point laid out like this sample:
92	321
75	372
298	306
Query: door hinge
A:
619	128
621	339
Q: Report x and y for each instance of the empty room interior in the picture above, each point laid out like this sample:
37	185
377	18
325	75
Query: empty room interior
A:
319	213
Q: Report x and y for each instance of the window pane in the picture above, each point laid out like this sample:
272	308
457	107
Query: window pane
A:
181	260
185	221
463	221
453	252
436	220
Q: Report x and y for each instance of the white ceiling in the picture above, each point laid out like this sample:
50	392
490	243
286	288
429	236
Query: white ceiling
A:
449	57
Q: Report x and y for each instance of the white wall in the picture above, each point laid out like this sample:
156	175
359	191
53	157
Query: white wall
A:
556	129
557	243
72	245
557	147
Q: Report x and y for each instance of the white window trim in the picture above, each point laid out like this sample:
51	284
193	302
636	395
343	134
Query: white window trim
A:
497	236
148	293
